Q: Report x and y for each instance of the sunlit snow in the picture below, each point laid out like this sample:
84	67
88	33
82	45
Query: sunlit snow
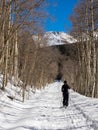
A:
43	110
59	38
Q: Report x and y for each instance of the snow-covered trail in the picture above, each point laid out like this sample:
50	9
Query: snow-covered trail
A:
43	112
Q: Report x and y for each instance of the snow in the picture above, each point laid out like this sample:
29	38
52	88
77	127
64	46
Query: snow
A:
42	111
59	38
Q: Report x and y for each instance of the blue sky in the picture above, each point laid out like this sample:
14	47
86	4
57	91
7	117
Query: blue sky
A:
60	10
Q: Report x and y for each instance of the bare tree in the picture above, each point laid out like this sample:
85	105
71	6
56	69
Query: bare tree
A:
16	17
85	24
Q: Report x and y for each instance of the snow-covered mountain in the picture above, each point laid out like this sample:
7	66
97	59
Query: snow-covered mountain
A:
54	38
58	38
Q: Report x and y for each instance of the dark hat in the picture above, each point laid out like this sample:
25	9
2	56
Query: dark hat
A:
65	81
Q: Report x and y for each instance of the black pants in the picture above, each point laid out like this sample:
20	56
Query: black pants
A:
65	99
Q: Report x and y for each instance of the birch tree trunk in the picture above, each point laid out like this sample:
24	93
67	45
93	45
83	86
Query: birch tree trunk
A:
93	49
97	72
6	45
88	54
16	60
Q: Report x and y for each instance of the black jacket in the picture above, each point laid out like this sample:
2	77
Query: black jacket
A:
65	88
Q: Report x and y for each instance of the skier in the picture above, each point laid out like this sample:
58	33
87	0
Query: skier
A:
65	93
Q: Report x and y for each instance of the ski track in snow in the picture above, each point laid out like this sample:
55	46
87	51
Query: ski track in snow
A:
44	112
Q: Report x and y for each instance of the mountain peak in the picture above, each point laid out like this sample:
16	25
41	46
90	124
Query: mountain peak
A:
58	38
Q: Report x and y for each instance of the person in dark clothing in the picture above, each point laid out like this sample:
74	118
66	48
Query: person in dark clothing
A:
65	93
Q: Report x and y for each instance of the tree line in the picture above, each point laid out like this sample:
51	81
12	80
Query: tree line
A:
19	20
25	60
85	29
25	57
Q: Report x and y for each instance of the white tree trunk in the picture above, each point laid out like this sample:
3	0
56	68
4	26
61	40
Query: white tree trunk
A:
16	60
94	50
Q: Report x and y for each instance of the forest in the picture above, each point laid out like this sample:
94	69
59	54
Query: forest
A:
25	59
